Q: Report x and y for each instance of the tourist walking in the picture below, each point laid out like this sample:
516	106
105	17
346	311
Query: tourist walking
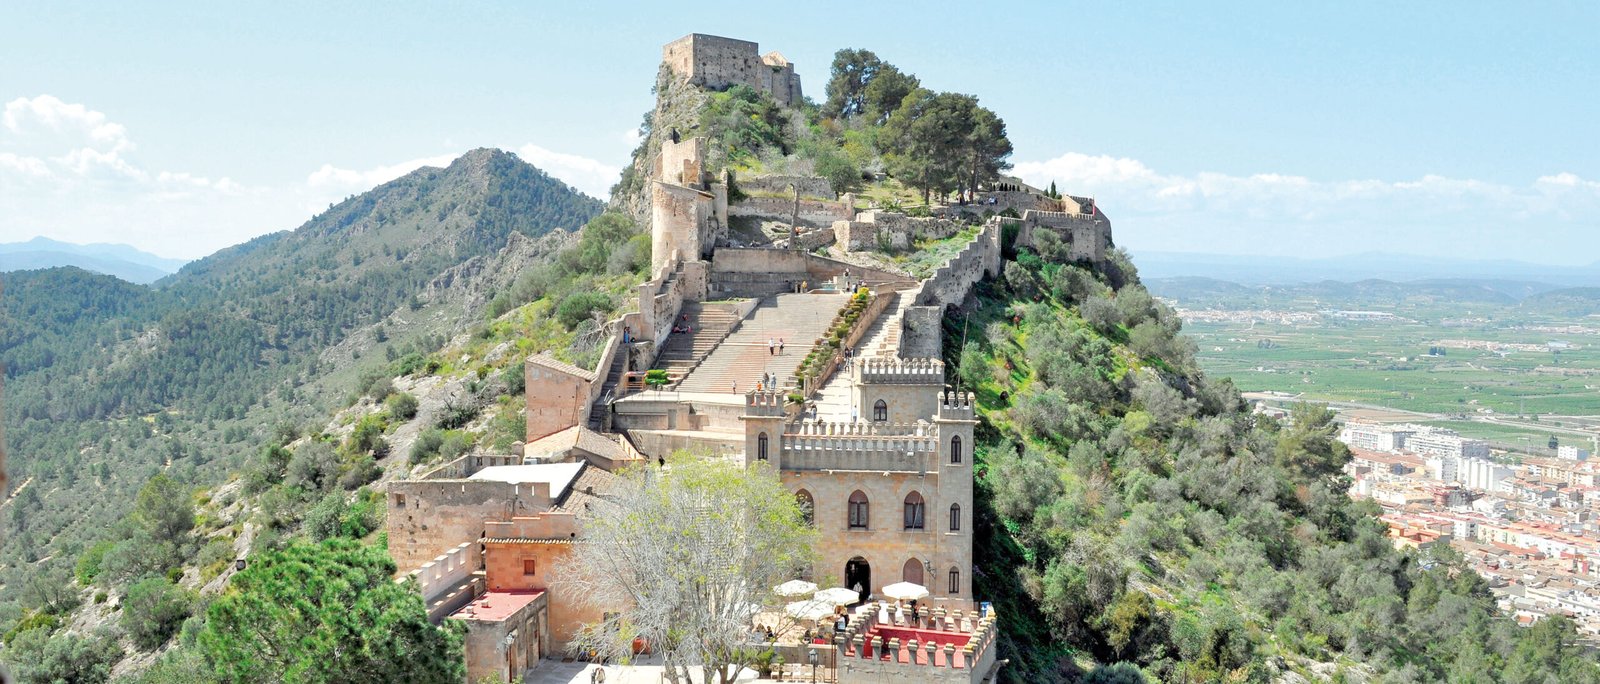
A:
771	348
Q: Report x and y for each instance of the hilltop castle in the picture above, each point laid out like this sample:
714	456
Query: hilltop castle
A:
879	453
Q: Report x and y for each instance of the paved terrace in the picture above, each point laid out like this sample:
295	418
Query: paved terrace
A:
797	319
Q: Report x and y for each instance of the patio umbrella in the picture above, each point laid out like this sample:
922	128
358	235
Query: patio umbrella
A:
809	610
838	596
905	591
795	588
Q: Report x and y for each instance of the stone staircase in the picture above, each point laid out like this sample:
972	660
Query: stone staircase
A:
682	352
798	319
608	391
883	338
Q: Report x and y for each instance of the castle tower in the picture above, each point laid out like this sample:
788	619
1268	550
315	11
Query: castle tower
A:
763	426
954	425
893	390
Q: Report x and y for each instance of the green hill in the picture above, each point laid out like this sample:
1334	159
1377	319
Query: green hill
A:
109	383
1134	514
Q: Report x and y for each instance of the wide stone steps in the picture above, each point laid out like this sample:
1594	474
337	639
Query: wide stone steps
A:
739	362
710	322
883	338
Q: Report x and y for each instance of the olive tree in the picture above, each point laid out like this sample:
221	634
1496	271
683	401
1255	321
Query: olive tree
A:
683	555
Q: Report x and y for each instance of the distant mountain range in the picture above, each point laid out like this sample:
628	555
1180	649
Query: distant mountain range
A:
122	261
1267	270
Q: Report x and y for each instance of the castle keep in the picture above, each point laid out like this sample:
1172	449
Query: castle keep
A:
716	63
878	451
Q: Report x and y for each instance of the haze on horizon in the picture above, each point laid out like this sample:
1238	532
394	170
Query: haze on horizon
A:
1248	129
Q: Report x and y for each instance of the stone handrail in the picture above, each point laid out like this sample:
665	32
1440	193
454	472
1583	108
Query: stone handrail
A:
809	385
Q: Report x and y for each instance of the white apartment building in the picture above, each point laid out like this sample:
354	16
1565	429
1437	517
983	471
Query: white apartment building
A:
1442	443
1377	436
1572	453
1482	474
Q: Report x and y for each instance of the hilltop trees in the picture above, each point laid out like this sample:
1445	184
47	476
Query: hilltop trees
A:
944	142
733	533
863	86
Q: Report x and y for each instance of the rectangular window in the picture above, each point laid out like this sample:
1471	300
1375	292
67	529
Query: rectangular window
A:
858	515
529	566
400	500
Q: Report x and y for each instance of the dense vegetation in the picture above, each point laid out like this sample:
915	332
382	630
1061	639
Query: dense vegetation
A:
1133	511
124	403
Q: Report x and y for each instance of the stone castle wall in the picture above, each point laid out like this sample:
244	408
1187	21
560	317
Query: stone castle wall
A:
921	334
813	212
718	63
1089	234
427	517
812	187
887	230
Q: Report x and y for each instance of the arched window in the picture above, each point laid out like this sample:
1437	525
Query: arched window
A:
912	571
858	510
914	508
761	447
955	449
808	506
955	517
880	410
955	581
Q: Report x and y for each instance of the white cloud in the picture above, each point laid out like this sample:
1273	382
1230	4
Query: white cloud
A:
70	172
47	113
590	176
1279	213
331	177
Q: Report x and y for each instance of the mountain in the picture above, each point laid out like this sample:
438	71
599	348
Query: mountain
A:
122	261
1266	270
109	383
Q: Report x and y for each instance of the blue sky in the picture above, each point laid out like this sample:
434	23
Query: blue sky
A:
1445	129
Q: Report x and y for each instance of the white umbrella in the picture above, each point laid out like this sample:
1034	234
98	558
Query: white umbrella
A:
905	591
809	610
795	588
838	596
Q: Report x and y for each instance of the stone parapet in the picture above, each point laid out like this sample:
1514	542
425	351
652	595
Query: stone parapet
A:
956	406
909	453
764	403
886	371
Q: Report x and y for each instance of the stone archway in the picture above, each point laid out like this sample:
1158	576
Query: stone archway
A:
858	572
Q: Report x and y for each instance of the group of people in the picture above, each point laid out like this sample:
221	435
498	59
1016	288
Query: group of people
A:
686	326
774	348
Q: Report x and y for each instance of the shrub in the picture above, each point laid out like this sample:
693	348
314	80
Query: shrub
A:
455	444
580	306
90	561
401	406
455	415
153	610
426	446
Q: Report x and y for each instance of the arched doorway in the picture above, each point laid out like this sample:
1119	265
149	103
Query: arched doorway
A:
912	572
858	576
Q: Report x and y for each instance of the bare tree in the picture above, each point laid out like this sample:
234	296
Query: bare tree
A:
685	555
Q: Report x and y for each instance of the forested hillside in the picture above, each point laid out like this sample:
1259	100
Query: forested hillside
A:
1136	516
108	383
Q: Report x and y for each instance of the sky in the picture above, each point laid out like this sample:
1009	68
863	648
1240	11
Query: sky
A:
1445	129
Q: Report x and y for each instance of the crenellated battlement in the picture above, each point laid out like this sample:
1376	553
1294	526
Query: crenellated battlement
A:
944	646
859	428
764	403
956	406
903	453
896	371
